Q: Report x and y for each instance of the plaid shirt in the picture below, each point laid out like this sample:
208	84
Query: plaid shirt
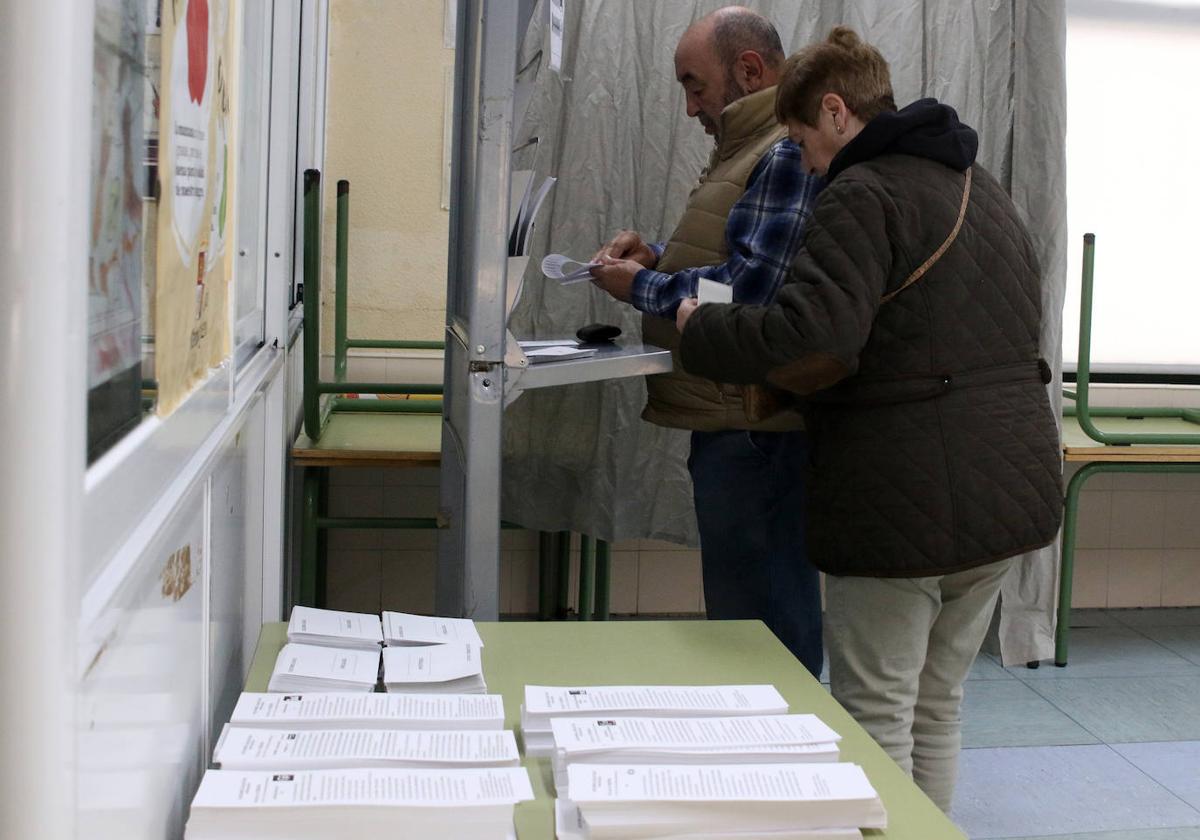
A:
764	232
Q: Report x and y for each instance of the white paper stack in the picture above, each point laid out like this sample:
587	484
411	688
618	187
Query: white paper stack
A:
402	629
242	748
772	739
311	668
439	669
566	270
332	628
569	825
370	711
766	800
475	804
542	703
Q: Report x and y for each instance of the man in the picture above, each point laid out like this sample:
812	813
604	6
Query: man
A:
741	227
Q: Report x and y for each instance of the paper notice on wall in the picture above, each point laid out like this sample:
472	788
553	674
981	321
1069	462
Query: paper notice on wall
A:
196	132
557	15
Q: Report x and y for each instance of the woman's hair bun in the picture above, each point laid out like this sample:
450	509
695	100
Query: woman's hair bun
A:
845	38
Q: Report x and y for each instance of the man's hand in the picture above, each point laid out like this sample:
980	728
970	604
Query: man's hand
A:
686	308
616	277
628	245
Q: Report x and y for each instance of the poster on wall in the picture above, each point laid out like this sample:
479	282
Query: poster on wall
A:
196	189
116	232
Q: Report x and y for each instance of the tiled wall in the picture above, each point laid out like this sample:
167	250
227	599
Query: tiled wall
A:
1138	543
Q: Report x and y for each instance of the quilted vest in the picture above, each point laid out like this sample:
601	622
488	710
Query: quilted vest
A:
678	399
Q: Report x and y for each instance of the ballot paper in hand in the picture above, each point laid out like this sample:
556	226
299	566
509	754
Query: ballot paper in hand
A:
710	291
566	270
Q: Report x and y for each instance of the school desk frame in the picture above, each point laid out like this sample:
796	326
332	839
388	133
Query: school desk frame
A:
1133	440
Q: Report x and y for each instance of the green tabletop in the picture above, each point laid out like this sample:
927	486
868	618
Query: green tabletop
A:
662	653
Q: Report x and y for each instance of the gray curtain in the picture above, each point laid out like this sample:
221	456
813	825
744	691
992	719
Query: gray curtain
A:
613	129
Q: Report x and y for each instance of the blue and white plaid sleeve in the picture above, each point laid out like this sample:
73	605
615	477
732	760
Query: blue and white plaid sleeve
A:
764	232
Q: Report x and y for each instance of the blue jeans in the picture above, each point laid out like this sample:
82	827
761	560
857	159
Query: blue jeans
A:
749	493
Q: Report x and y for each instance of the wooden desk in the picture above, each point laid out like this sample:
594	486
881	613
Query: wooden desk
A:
1096	458
373	440
663	653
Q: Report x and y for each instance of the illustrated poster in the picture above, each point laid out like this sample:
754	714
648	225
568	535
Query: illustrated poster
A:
196	157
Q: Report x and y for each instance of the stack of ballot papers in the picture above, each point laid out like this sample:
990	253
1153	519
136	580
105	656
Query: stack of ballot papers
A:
311	668
331	628
400	629
444	669
369	711
771	739
474	804
677	801
242	748
543	703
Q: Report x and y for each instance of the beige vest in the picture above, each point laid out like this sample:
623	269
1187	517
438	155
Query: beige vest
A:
678	399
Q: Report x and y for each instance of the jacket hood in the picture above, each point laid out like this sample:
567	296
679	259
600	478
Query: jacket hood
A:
926	129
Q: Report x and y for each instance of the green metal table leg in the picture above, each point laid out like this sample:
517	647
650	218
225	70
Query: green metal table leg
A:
1066	575
587	576
547	581
322	571
603	578
306	591
563	538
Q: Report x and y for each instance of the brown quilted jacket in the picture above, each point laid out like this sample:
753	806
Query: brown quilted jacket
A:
934	446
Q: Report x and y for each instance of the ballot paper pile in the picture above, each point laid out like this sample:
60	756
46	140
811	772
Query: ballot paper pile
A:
471	804
810	801
451	668
544	703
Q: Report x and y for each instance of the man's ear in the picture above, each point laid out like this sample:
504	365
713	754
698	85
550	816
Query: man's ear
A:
749	70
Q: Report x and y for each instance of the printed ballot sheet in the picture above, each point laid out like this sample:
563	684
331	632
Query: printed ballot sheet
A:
311	667
242	748
581	736
384	787
654	700
370	711
333	628
400	629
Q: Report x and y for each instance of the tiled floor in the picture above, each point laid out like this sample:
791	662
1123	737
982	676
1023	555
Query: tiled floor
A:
1107	748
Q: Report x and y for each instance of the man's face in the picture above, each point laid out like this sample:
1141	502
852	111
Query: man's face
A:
707	86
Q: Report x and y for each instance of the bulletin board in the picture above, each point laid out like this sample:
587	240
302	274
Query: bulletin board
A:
196	200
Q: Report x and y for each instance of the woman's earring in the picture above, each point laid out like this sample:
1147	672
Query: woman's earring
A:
838	127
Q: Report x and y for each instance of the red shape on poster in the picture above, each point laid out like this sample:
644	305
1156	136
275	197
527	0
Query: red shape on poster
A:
197	43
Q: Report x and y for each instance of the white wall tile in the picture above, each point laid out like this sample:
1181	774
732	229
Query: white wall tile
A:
669	582
1089	586
623	583
1182	520
1181	577
1138	519
408	581
353	581
1092	527
1135	578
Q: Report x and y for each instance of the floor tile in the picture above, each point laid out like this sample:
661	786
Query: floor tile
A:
1151	708
1135	834
1011	714
1175	765
1158	617
1181	640
1110	652
1095	618
986	667
1035	791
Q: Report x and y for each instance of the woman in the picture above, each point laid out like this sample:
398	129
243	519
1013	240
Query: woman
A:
910	325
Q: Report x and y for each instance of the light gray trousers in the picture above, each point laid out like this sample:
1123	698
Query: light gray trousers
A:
899	651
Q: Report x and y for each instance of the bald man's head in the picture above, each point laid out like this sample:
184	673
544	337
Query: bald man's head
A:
724	56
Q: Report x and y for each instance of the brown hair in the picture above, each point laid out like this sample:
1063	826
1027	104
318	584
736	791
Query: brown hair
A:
843	64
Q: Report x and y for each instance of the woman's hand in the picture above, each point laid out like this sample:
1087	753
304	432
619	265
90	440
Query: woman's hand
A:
686	308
